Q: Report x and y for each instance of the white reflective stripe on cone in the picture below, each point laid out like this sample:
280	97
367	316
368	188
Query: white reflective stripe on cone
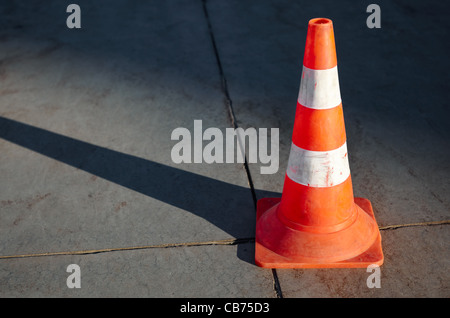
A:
318	168
319	89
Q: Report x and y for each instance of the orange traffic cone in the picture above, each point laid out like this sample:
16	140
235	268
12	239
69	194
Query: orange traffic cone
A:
317	223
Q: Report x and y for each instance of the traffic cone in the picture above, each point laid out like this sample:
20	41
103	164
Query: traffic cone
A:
317	223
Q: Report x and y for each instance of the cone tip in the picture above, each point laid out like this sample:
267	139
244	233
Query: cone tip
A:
320	50
320	22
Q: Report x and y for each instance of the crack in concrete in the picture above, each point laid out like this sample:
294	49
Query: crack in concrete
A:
204	243
232	117
133	248
397	226
228	101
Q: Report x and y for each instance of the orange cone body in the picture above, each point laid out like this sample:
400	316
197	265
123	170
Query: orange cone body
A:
317	223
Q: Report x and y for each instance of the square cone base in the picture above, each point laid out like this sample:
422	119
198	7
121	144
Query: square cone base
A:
268	259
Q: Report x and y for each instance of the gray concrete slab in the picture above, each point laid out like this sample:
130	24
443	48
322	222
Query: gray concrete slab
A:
397	145
393	86
191	272
85	127
87	117
416	265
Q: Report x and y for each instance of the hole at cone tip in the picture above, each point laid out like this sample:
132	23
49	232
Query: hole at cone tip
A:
320	21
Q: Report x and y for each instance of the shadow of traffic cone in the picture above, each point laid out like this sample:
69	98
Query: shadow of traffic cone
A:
317	223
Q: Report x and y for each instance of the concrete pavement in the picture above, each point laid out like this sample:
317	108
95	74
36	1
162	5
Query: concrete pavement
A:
86	117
